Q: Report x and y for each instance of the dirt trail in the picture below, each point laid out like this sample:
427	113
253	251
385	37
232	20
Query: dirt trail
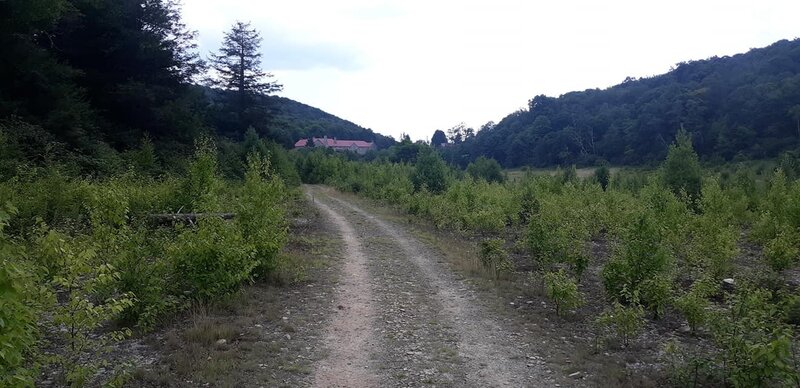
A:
430	327
349	336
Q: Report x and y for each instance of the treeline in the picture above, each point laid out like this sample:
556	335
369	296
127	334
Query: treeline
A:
84	81
675	237
742	107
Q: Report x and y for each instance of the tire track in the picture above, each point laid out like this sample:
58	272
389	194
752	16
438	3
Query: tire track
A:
491	356
349	336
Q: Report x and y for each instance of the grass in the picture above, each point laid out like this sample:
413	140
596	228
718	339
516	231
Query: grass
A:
298	369
207	332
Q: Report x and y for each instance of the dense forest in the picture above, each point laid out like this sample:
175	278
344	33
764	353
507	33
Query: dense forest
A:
744	106
83	81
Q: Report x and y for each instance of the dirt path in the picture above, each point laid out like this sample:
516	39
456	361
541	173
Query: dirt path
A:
407	320
349	336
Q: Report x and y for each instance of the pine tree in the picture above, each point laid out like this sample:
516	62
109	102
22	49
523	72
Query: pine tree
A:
238	65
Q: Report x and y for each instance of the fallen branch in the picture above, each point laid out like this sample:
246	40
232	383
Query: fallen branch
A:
186	217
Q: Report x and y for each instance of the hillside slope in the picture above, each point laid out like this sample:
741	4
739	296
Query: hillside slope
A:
292	120
742	106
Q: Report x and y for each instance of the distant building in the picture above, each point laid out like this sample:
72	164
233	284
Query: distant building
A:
358	146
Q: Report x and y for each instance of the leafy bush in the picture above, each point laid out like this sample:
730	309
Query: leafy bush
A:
712	234
213	259
569	175
202	184
782	252
486	169
144	271
639	258
49	195
656	293
693	306
625	321
430	172
563	290
603	176
565	222
756	345
18	313
260	214
494	258
681	169
144	160
78	278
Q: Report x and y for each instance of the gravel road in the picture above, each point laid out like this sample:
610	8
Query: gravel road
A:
402	318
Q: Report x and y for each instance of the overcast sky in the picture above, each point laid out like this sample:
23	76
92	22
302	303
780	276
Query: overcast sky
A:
416	66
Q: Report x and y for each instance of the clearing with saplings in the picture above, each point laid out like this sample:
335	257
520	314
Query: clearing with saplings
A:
167	220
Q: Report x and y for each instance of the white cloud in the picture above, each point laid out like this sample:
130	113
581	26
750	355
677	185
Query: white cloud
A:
415	66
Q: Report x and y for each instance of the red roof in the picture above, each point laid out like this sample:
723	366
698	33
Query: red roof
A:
335	143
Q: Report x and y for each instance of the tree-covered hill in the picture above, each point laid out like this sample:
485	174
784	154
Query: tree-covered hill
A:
285	121
292	120
741	106
87	81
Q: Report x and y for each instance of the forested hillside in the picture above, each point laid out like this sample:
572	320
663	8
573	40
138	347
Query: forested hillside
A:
83	82
739	107
291	120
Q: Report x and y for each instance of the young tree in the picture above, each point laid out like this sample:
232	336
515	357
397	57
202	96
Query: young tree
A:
603	176
238	65
681	170
456	134
486	169
438	138
430	172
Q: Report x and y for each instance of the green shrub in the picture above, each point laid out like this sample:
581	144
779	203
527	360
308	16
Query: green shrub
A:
48	195
783	251
569	175
756	345
639	258
681	170
212	259
18	313
144	160
493	257
603	176
656	293
693	306
565	222
430	172
260	213
563	290
486	169
144	271
79	277
202	184
624	321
